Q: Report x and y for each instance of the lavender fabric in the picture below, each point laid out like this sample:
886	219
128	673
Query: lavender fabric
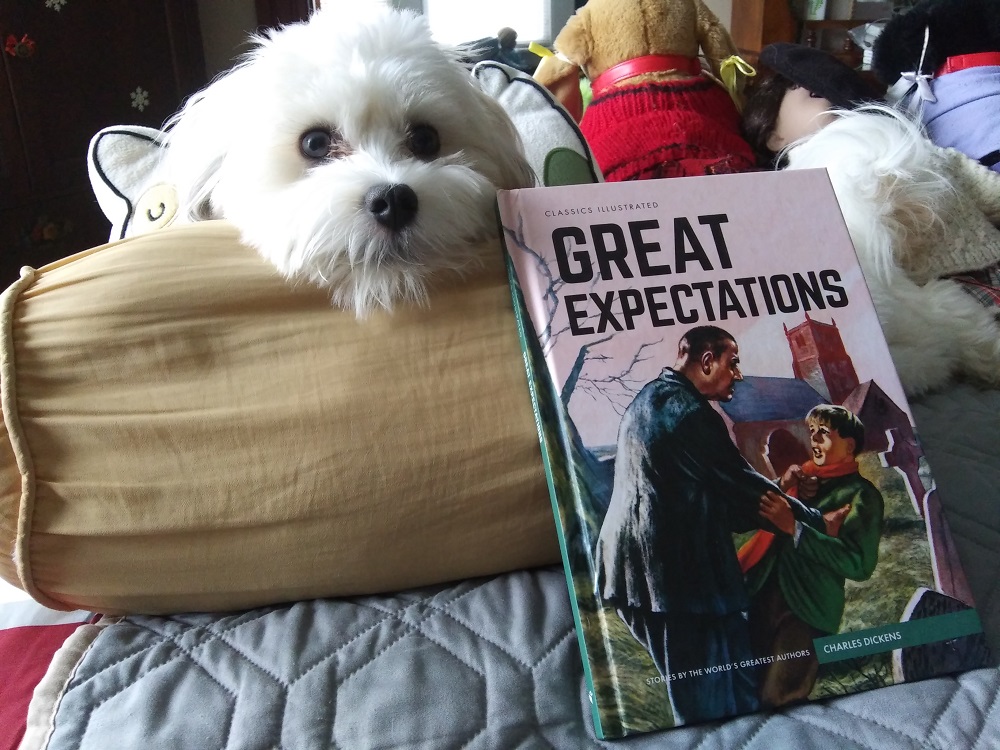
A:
966	115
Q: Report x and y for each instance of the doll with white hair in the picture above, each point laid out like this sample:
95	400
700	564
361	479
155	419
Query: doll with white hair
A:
920	216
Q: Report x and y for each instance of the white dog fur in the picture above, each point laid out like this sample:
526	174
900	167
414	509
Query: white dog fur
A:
353	152
915	212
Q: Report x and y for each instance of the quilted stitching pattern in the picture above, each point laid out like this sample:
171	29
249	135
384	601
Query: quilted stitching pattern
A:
452	667
489	664
495	663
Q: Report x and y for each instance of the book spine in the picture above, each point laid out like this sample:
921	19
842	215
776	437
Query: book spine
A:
556	451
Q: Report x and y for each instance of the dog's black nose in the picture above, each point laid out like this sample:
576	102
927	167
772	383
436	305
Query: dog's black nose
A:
393	206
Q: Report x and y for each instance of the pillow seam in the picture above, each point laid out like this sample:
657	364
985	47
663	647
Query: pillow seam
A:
17	438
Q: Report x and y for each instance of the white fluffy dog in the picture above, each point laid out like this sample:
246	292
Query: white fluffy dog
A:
352	151
916	213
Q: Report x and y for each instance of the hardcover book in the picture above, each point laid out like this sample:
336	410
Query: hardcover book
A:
746	517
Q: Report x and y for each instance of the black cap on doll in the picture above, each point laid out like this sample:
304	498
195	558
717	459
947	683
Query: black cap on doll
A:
819	72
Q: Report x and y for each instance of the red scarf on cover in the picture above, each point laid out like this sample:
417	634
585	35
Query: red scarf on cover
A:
754	548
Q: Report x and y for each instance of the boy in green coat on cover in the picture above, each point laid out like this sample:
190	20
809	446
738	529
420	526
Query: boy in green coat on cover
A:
796	579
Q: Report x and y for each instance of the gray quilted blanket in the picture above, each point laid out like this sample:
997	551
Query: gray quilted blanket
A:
491	663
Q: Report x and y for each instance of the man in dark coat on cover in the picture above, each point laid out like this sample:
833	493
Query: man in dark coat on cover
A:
665	556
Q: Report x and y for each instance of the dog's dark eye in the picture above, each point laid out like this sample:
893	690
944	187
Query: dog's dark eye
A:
315	144
423	141
323	143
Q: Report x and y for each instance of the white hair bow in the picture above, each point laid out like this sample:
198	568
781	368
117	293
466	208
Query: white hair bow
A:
913	87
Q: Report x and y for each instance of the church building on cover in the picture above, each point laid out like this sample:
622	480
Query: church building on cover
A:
766	416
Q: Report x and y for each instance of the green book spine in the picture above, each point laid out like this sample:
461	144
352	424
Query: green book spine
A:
549	419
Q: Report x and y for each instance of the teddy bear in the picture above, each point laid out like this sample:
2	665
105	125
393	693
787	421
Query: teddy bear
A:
941	60
654	111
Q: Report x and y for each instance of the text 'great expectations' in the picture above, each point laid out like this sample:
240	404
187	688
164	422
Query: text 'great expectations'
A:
610	252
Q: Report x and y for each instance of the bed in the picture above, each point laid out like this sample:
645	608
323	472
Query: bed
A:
489	662
429	610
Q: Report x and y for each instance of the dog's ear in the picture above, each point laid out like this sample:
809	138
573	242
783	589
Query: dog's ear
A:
197	199
511	165
198	138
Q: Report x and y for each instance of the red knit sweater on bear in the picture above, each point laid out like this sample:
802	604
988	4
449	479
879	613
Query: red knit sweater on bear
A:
665	129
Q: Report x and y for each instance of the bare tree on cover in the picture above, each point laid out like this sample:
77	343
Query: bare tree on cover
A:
619	388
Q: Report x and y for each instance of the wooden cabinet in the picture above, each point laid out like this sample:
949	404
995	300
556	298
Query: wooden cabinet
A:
70	68
758	23
814	33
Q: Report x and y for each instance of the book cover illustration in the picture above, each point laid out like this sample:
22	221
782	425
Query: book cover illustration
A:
746	517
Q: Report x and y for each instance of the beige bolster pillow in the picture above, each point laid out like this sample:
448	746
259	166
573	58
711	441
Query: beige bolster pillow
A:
185	430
